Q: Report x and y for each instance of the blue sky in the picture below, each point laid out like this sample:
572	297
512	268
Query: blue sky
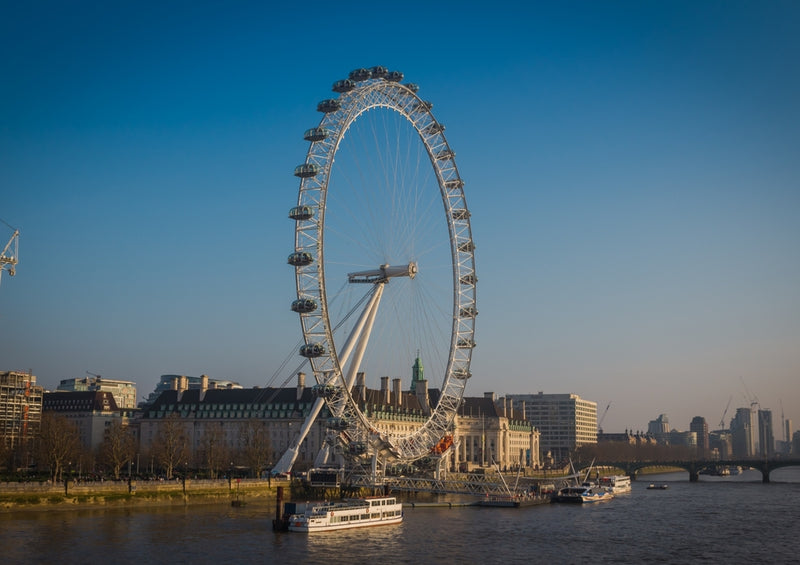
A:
632	169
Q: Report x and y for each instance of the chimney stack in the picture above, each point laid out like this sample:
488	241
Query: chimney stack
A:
398	394
361	386
203	386
385	394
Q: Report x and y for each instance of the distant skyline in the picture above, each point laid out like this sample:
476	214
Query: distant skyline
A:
631	169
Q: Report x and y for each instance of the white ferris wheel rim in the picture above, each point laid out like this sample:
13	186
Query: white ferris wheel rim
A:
380	89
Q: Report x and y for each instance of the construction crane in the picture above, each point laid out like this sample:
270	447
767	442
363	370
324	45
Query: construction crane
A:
10	254
724	413
603	417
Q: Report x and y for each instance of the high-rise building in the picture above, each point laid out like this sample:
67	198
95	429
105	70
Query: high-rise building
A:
700	427
742	440
20	409
124	392
659	428
766	438
565	422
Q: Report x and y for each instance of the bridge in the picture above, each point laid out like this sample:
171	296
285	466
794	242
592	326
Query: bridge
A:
696	467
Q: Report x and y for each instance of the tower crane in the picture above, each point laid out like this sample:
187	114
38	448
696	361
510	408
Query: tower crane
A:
722	420
10	254
603	417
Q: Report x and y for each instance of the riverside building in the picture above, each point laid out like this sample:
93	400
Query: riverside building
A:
20	409
565	421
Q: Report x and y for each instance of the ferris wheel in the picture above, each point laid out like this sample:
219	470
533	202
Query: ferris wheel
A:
384	264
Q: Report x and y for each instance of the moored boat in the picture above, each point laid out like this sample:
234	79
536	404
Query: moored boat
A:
582	494
616	483
346	514
653	486
513	500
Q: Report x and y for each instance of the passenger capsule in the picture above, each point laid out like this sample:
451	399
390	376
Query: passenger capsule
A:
307	170
461	373
323	390
316	134
345	85
412	87
310	350
394	76
329	105
379	72
304	305
358	447
467	246
435	127
301	213
360	74
460	214
300	259
468	279
339	424
468	312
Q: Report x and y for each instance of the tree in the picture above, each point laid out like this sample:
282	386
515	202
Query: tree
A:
118	447
214	451
254	445
59	442
171	444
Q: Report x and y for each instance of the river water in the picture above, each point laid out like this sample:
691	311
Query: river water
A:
717	520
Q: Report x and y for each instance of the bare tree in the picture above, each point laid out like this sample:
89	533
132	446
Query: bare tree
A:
118	447
254	445
171	445
214	450
59	441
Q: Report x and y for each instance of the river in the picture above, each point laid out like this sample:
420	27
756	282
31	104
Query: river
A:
717	520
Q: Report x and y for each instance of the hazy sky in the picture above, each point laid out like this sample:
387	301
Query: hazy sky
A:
633	170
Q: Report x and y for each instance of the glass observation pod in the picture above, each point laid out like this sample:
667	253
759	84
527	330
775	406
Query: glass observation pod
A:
316	134
360	74
344	85
460	214
455	183
468	312
413	87
301	213
467	246
304	305
379	72
306	170
461	373
465	344
329	105
358	447
445	154
336	424
300	258
468	279
435	127
323	390
309	350
394	76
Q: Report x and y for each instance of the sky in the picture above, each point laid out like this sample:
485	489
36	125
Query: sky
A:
631	167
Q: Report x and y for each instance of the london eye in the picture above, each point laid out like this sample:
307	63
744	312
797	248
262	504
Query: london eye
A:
384	262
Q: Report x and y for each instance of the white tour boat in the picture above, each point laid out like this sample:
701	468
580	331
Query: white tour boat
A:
616	483
582	494
349	513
